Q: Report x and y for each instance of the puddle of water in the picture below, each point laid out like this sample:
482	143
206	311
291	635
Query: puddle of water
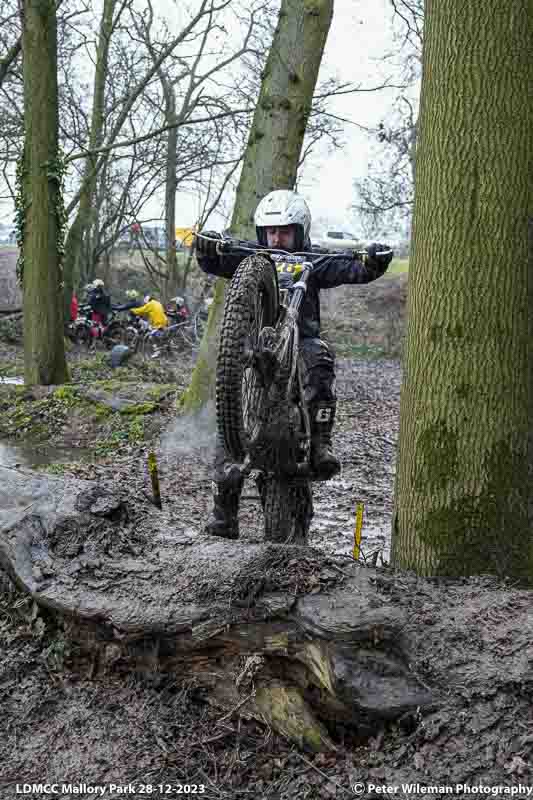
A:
32	455
29	454
12	381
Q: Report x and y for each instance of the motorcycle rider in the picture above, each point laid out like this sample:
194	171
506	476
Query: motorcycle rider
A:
178	307
99	301
153	311
283	221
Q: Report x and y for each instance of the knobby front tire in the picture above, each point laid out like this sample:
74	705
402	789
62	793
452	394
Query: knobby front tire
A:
251	304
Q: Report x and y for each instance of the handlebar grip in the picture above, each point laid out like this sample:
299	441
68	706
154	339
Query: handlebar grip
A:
378	253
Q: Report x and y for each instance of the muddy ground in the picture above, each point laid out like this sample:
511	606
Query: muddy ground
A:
60	725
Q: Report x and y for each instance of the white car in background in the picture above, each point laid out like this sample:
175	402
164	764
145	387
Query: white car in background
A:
339	240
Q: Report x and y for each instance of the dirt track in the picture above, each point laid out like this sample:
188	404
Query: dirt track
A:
58	724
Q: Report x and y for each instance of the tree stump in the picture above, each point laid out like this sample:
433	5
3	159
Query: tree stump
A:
281	633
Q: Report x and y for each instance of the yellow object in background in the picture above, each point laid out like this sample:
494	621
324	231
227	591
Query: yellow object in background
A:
185	236
154	478
358	530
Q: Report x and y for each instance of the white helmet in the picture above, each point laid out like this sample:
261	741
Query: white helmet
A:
98	282
133	294
283	207
178	300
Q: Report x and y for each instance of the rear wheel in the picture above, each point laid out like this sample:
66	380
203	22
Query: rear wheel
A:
113	335
152	346
131	337
288	509
179	339
82	336
251	304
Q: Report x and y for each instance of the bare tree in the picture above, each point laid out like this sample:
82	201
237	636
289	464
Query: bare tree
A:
72	19
127	113
384	197
84	220
274	144
184	92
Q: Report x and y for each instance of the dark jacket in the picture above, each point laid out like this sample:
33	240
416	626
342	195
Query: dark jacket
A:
99	301
331	273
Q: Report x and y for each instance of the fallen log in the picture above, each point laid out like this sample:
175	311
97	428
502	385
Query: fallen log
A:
282	633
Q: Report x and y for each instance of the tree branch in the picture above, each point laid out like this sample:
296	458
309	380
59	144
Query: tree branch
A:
153	134
12	54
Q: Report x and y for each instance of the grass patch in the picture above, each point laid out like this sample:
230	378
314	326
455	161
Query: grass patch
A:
120	432
360	350
397	266
66	394
55	468
139	408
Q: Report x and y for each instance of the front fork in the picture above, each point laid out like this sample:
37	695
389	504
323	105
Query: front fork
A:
297	397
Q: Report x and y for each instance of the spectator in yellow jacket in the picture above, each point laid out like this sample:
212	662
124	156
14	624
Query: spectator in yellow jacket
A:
153	312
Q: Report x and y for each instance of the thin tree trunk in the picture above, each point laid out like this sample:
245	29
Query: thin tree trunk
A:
462	488
171	184
75	249
44	351
186	269
274	145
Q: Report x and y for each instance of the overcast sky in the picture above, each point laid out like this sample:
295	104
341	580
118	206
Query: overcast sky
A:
360	33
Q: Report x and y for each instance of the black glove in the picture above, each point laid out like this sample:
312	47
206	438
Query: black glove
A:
206	247
378	257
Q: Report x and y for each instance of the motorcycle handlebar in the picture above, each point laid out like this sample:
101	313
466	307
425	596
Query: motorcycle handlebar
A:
226	244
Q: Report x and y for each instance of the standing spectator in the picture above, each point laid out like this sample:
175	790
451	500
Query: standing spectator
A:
74	306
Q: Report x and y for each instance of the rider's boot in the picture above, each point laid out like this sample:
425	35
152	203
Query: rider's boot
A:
224	519
323	459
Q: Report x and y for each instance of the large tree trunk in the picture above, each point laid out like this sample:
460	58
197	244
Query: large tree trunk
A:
274	144
283	107
77	247
462	488
44	351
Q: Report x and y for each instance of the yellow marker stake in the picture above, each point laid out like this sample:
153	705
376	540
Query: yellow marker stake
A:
154	477
358	530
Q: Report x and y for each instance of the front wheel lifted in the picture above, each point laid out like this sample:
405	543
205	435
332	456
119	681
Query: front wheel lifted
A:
251	304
